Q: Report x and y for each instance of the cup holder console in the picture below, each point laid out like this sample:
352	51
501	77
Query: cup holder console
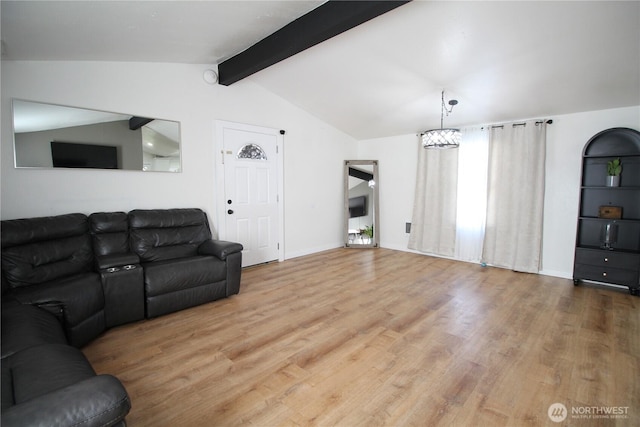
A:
124	267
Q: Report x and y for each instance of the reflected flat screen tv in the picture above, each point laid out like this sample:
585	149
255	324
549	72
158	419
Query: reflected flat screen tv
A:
357	206
73	155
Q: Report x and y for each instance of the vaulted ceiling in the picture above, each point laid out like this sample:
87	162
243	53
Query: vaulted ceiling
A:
504	60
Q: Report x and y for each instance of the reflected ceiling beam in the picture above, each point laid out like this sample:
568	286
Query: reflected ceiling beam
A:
357	173
322	23
136	123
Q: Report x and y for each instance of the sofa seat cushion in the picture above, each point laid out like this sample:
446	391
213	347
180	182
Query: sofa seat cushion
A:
81	295
25	326
163	277
42	369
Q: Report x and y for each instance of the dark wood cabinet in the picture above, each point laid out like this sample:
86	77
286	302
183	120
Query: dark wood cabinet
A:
608	237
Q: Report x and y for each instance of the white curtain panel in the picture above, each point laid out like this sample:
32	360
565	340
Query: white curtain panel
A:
513	234
433	226
473	158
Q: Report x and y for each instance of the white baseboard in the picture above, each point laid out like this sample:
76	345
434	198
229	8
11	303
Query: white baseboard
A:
554	273
311	251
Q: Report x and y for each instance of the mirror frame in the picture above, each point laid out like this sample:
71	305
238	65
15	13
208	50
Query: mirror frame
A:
74	123
375	242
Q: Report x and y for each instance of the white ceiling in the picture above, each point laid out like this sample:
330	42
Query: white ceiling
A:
195	32
505	60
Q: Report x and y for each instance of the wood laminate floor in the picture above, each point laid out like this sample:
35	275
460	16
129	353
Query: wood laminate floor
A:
378	337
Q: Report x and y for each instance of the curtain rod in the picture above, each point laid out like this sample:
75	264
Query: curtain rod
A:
539	122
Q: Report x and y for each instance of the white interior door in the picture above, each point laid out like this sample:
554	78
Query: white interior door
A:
251	208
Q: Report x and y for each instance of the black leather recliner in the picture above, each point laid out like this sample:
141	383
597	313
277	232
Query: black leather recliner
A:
67	278
183	266
45	262
45	381
52	297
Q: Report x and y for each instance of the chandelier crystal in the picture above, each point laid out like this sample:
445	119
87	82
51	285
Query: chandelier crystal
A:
443	137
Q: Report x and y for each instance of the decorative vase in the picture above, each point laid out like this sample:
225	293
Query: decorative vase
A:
613	181
609	235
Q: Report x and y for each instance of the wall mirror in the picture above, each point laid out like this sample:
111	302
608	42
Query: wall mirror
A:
361	212
56	136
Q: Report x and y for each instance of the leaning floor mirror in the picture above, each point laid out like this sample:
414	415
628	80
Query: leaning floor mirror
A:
361	212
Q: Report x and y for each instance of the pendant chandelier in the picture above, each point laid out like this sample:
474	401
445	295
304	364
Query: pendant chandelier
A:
443	137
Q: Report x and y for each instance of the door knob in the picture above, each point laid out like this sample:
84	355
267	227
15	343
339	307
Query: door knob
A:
230	211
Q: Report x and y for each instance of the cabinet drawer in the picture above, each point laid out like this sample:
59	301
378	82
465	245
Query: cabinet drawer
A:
618	276
607	259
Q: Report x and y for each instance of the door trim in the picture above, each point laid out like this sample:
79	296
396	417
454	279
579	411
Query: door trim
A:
220	223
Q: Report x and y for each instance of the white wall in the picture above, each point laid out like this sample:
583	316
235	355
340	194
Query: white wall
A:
566	138
313	151
398	160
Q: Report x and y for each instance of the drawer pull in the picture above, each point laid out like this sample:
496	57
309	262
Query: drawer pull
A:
606	260
604	274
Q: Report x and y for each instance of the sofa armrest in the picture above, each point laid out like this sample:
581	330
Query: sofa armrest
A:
219	248
116	260
96	401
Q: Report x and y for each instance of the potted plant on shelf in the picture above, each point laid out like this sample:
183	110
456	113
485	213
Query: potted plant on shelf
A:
614	167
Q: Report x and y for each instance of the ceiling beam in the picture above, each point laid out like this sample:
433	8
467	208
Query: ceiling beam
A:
322	23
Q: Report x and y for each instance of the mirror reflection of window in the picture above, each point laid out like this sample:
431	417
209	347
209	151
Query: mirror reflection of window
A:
90	135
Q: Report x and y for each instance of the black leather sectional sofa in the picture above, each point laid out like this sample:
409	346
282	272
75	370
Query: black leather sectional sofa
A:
68	278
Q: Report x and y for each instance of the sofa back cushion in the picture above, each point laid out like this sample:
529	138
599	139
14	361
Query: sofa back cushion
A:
110	231
38	250
164	234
